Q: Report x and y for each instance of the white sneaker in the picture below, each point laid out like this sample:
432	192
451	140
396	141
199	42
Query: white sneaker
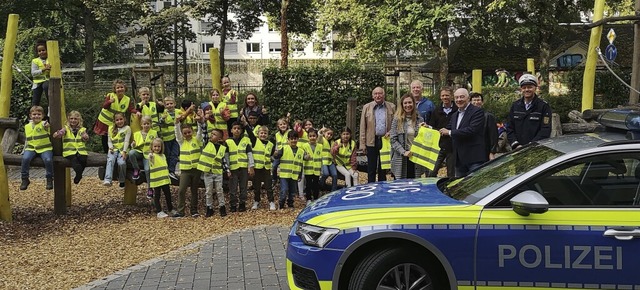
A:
272	206
162	214
308	202
255	205
106	183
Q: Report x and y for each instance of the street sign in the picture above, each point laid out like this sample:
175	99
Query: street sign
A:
611	36
610	52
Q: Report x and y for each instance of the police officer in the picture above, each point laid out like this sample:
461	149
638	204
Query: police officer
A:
529	116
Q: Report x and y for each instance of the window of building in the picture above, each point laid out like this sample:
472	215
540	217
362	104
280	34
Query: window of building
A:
253	47
138	48
166	4
320	46
275	46
231	48
569	60
153	6
206	47
298	48
205	26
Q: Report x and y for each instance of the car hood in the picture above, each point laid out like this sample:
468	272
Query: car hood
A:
381	196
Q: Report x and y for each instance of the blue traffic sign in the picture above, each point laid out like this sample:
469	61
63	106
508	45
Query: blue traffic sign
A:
610	52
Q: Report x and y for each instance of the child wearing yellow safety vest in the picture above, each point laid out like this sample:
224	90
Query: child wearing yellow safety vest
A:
38	143
219	114
241	163
167	124
190	148
159	177
74	136
280	141
262	150
344	152
213	163
115	102
230	98
146	107
118	142
291	158
40	71
140	148
328	165
312	166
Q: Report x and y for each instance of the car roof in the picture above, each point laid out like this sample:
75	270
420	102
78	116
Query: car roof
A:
574	142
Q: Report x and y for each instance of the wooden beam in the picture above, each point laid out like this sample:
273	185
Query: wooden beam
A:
93	160
12	123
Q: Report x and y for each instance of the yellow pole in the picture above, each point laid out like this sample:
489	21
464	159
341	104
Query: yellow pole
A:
476	80
589	77
5	104
53	58
531	68
216	76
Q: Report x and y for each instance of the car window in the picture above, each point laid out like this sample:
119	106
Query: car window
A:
606	180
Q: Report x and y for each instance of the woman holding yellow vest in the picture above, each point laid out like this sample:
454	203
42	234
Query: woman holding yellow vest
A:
404	128
74	136
115	102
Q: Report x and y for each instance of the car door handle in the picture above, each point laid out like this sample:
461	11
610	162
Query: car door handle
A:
623	233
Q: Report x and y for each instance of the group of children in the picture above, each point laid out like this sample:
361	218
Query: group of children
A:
206	142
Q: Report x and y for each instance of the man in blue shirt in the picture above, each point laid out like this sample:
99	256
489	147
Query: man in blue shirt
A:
425	106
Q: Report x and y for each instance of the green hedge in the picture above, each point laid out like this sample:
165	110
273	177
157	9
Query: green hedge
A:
319	93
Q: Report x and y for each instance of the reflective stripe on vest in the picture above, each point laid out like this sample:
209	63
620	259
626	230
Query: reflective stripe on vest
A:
262	154
290	164
37	138
118	139
72	144
150	110
281	139
327	159
344	153
143	145
118	106
238	153
44	76
233	108
219	122
425	148
312	166
190	154
158	171
210	159
385	153
167	126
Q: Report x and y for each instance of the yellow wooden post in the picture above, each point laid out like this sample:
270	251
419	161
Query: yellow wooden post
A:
53	58
216	74
130	191
5	105
476	80
531	68
589	77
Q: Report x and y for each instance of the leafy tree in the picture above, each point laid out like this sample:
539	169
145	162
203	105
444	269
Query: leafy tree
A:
298	17
216	12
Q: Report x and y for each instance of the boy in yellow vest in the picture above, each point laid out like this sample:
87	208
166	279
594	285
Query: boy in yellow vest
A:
146	107
312	166
262	149
40	71
167	122
38	143
214	163
290	170
241	163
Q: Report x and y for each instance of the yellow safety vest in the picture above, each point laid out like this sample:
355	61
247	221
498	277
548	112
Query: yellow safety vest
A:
158	171
219	122
281	139
327	158
118	106
44	76
425	148
290	164
344	153
167	128
385	153
262	154
37	138
118	139
211	160
72	144
143	145
151	111
304	139
190	153
238	153
312	166
233	108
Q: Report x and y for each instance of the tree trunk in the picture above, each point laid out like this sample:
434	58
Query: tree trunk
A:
284	36
223	33
88	47
545	52
443	55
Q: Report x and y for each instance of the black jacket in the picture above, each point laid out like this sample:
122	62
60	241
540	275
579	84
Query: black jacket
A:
531	125
438	120
468	139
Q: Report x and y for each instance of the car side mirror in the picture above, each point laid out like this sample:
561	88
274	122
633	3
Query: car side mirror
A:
528	202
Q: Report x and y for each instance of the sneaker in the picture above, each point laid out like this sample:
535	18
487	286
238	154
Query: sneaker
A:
255	205
272	206
162	214
195	215
150	193
49	184
281	205
178	215
209	212
242	208
173	176
173	212
121	184
233	209
223	211
106	183
25	184
136	174
76	179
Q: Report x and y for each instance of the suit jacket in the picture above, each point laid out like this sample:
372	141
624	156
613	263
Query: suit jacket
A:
468	139
368	123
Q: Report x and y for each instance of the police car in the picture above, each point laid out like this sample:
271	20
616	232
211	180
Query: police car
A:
563	213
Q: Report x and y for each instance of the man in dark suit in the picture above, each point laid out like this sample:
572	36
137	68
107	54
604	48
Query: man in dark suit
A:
466	130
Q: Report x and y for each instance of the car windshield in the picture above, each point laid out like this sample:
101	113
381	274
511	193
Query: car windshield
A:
496	173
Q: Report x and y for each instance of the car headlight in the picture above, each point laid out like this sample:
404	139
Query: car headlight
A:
314	235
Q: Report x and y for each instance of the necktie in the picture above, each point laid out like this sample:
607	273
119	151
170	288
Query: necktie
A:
527	106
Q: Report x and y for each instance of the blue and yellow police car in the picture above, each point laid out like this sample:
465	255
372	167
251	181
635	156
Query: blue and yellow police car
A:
563	213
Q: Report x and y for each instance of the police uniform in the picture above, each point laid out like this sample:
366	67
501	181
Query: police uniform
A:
530	125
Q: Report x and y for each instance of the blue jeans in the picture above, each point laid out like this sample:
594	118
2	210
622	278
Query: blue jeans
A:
112	158
172	151
329	170
288	189
27	156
